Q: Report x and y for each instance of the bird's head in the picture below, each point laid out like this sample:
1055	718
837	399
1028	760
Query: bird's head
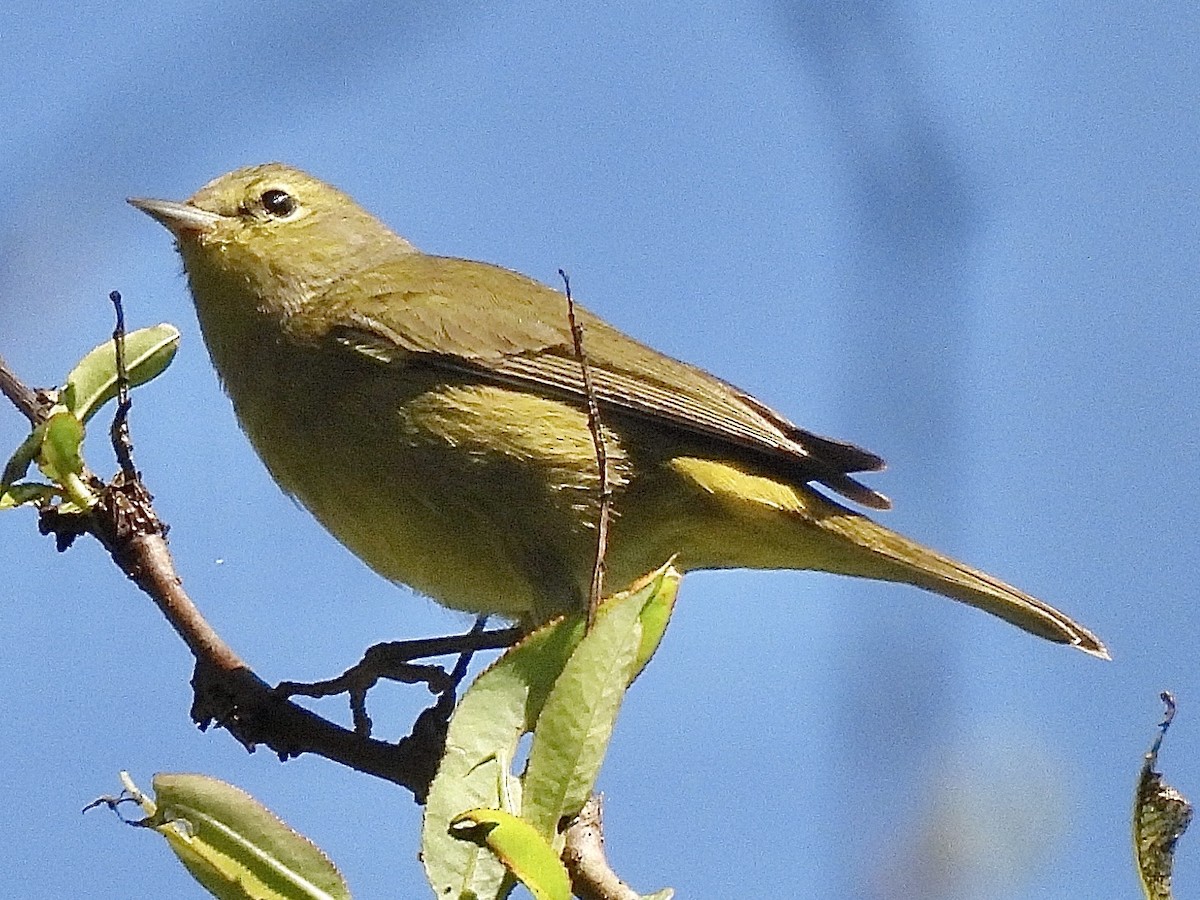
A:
275	232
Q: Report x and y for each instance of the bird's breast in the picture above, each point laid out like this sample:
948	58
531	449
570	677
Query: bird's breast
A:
483	497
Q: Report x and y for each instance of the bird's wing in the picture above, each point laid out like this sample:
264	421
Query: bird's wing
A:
489	322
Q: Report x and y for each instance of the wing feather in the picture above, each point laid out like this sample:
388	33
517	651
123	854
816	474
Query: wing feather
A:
484	321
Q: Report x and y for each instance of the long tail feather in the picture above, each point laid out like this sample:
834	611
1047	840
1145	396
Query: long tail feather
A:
759	522
892	557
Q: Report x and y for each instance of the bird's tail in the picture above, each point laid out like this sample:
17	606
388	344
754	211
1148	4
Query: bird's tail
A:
890	556
826	536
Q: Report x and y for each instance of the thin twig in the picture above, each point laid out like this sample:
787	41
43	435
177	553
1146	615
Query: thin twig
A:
593	411
122	443
1168	700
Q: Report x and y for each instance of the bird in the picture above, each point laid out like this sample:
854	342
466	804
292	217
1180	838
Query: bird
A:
431	413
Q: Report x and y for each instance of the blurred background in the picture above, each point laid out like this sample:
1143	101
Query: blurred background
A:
963	235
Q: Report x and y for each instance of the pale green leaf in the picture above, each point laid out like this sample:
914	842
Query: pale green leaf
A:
60	452
236	847
61	461
574	728
93	382
504	703
576	724
656	614
501	705
523	851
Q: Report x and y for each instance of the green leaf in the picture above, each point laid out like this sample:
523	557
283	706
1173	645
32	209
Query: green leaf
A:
93	382
61	461
656	614
233	845
523	851
15	495
60	452
20	461
574	728
576	724
502	704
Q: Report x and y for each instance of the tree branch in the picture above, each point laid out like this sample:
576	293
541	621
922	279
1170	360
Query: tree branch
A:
227	691
591	876
31	404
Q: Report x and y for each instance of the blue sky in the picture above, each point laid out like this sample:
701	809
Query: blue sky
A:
962	235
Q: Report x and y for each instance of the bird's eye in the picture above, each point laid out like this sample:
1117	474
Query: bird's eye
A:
278	203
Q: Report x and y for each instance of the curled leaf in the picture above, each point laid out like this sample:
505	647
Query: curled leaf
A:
93	382
61	459
523	851
1160	817
656	613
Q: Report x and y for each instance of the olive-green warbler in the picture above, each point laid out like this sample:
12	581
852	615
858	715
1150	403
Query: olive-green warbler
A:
430	412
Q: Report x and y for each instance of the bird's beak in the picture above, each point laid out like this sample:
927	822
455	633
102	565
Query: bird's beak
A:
178	218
